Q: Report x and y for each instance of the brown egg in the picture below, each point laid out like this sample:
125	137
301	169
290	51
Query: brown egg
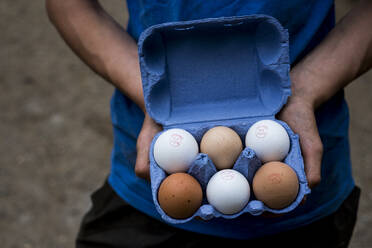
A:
180	195
276	185
223	146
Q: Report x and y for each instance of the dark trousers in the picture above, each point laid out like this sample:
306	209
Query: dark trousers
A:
111	222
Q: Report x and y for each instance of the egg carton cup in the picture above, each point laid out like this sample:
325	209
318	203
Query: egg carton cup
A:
228	71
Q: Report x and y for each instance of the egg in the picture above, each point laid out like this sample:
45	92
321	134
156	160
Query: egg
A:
175	150
269	140
180	195
223	146
228	191
276	185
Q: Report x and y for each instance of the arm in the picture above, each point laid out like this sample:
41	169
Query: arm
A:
110	51
345	54
100	42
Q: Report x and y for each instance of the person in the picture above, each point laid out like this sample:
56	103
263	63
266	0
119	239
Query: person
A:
324	59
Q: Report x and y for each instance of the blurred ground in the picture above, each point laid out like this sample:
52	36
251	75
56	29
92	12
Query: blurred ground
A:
55	132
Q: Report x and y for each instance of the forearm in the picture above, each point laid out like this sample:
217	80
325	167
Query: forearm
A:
344	55
100	42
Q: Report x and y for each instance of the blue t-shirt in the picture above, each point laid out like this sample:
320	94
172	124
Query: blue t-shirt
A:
308	22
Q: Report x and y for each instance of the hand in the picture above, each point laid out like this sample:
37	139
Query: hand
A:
298	113
145	137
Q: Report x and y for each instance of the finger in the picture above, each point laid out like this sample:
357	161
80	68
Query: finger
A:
148	131
312	150
142	167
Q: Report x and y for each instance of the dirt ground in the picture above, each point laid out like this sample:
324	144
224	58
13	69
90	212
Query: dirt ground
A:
55	132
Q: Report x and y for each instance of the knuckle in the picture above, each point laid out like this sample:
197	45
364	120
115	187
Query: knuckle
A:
143	144
314	180
138	144
141	171
319	148
315	149
139	141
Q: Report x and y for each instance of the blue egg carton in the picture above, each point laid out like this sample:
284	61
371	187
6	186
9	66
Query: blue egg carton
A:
228	71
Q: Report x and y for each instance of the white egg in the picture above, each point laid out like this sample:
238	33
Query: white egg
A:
175	150
228	191
269	140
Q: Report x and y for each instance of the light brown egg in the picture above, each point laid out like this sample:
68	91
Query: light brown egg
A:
276	185
223	146
180	195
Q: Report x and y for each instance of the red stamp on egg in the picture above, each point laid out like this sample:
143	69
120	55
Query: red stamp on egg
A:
275	178
227	175
261	131
175	140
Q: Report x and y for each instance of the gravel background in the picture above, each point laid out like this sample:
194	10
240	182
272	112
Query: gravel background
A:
55	132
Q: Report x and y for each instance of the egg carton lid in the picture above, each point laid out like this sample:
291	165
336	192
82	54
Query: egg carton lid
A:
214	69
